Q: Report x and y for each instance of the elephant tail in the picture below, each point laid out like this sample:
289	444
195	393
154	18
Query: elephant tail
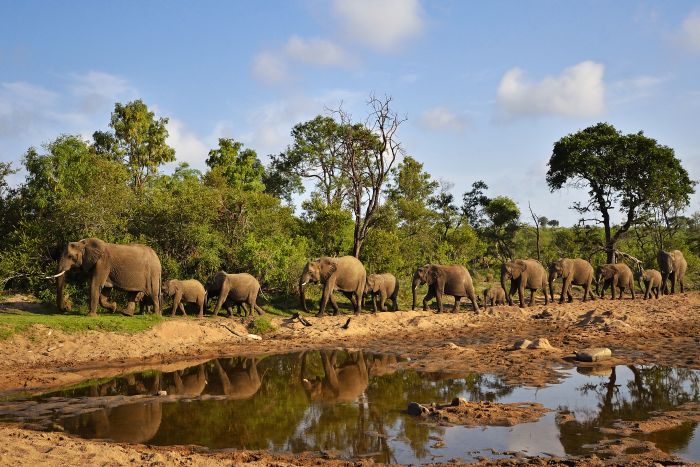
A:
267	299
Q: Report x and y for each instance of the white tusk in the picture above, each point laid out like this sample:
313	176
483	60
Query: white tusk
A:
303	284
55	275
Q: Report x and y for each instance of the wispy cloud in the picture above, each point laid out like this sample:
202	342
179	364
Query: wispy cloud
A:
442	119
577	91
270	68
689	35
383	25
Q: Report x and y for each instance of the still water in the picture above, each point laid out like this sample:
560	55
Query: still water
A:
351	403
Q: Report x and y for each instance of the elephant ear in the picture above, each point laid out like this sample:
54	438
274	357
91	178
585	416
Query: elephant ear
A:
517	268
434	275
328	268
92	253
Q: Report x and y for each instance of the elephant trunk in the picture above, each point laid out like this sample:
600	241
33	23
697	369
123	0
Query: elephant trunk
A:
416	282
60	276
552	277
503	285
302	297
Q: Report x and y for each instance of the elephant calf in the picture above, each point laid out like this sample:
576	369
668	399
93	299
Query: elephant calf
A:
187	291
616	275
384	285
651	280
495	295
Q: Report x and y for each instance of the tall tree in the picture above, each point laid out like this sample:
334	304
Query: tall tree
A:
502	224
631	172
140	140
240	168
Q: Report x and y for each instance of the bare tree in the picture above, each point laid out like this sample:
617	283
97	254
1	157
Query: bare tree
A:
537	228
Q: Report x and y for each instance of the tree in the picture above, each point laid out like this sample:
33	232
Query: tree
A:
632	172
473	202
140	141
502	214
447	211
240	168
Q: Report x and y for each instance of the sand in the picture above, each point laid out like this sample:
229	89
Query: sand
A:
665	331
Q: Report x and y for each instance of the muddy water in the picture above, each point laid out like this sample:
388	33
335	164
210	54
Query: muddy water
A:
350	404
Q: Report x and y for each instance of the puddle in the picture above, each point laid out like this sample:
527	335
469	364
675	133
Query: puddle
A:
350	404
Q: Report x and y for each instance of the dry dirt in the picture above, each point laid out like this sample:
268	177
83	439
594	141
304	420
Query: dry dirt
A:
665	331
485	413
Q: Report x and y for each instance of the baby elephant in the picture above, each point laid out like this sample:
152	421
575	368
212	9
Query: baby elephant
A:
187	291
496	295
384	285
652	282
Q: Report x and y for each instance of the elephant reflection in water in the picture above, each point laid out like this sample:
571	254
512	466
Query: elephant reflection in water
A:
191	384
130	423
381	365
239	380
339	384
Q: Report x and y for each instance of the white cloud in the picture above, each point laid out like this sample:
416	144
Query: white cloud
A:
578	91
317	52
442	119
188	146
380	24
270	67
689	35
96	88
635	88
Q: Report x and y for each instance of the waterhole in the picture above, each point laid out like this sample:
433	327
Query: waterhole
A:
351	404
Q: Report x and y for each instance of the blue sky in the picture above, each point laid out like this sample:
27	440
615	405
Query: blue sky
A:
487	87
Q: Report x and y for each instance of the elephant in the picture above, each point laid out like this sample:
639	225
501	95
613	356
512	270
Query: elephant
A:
339	384
616	275
495	295
673	266
442	280
129	423
191	384
524	274
188	291
239	289
345	274
384	285
650	282
239	381
132	268
573	272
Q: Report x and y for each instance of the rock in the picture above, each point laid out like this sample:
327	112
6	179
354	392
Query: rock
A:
594	354
521	344
540	343
162	393
416	409
545	314
254	337
457	401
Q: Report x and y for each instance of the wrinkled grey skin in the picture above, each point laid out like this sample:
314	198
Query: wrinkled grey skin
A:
238	289
345	274
132	268
524	274
616	276
494	295
442	280
573	272
650	282
185	291
672	266
344	383
385	286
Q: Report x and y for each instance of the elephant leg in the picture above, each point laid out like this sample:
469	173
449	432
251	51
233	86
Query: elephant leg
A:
374	302
569	295
104	300
656	292
354	301
334	304
632	288
647	291
680	283
200	303
532	297
438	299
99	277
458	301
176	302
258	309
521	293
382	300
223	295
472	298
183	309
395	299
673	282
327	292
429	296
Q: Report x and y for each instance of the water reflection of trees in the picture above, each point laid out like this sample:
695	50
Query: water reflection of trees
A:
635	397
350	402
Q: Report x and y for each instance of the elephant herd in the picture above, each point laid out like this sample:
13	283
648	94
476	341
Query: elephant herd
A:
136	270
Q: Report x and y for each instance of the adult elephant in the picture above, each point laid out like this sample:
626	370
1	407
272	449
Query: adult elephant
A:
573	272
345	274
524	274
345	383
238	380
132	268
673	266
442	280
615	275
238	289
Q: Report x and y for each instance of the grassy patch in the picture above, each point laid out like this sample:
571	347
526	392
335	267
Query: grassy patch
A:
261	325
13	321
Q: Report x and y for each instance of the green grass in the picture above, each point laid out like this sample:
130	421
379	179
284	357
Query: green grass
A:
13	321
261	325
